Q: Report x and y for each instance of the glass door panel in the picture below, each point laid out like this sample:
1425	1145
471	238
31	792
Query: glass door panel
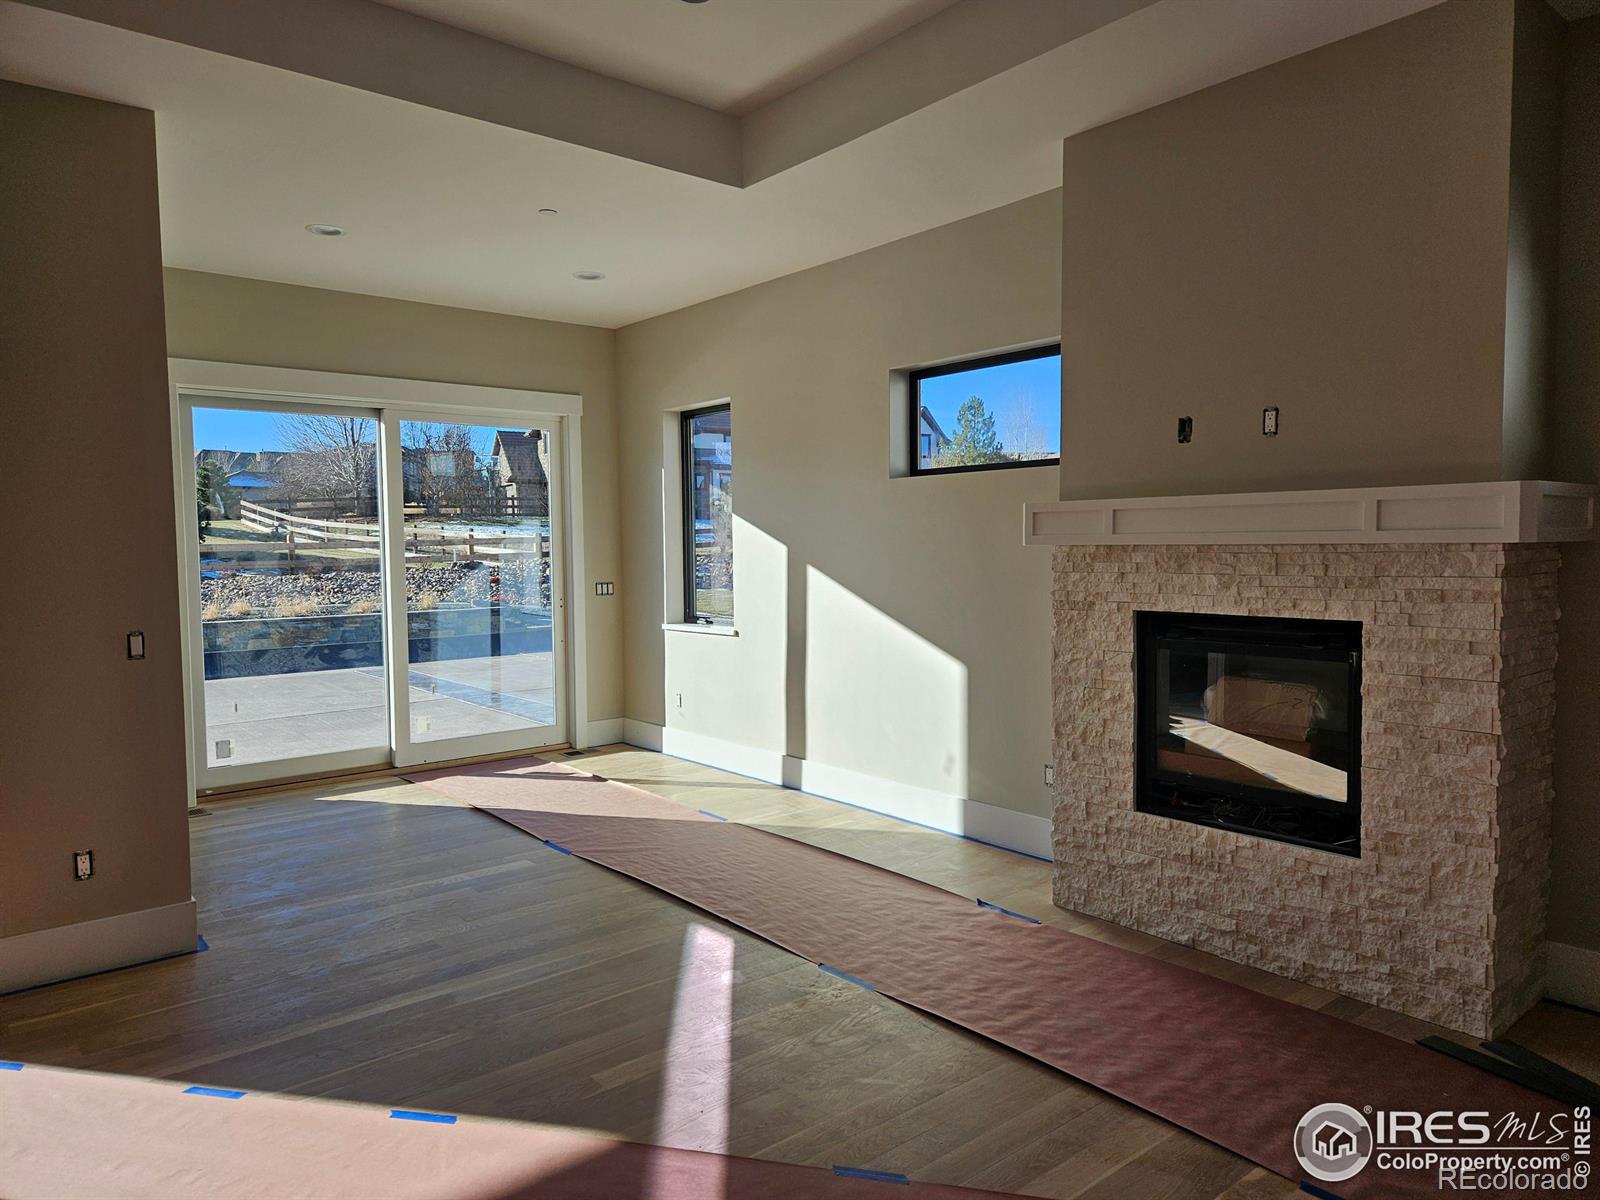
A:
286	542
482	641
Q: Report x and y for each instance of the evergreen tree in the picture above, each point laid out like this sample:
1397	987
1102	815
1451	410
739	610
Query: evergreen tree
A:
974	440
208	480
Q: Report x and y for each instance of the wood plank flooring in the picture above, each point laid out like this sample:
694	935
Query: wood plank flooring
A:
374	942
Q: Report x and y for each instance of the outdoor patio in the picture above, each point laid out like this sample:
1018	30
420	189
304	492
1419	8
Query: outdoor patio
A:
269	717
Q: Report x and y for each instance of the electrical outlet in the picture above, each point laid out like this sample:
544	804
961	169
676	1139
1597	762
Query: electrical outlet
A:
136	644
680	699
1049	774
1269	421
1185	429
224	748
82	864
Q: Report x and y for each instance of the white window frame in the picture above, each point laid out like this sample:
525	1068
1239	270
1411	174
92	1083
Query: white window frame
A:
242	385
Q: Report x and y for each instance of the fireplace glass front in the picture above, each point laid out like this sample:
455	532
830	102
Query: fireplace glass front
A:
1251	724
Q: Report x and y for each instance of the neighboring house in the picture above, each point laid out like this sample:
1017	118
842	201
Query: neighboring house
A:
437	476
521	463
249	475
931	439
262	464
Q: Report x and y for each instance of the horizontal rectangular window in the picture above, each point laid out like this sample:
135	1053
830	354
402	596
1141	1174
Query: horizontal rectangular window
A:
708	516
1003	410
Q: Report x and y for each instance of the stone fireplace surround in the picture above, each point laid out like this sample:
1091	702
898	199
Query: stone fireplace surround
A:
1442	915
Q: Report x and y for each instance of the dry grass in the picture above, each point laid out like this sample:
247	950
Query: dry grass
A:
212	611
358	607
426	600
239	608
298	607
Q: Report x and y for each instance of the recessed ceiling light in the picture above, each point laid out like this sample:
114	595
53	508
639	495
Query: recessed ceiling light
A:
694	1
549	212
588	276
324	230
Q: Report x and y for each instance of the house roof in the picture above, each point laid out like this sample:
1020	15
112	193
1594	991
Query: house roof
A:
268	463
521	452
251	479
931	423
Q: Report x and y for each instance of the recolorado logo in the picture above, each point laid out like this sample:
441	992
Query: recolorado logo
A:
1469	1151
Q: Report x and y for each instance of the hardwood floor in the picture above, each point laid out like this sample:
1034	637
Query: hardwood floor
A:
374	942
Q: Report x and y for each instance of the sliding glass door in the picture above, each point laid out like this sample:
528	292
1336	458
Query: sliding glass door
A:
481	582
367	588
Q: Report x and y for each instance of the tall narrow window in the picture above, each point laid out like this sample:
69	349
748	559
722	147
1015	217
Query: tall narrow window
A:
708	516
1003	410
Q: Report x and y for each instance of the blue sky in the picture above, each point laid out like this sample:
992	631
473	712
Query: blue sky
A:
236	429
1021	396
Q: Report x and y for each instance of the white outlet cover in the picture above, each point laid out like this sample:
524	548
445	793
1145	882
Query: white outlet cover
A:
224	747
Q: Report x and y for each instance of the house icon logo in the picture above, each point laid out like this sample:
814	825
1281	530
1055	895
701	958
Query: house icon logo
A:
1333	1142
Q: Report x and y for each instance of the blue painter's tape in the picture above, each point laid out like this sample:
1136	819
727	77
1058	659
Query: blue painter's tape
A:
1312	1189
219	1093
559	849
200	943
876	1176
1008	912
706	812
848	978
10	1066
407	1114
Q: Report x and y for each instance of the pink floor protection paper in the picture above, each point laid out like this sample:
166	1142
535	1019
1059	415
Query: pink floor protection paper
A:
1232	1065
110	1137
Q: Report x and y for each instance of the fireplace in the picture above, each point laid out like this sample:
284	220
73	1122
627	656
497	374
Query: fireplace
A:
1432	607
1251	724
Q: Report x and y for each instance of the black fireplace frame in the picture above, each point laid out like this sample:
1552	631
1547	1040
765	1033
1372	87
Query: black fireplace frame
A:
1182	798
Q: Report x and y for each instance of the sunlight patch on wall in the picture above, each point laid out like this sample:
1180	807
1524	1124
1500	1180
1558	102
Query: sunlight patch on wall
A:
881	699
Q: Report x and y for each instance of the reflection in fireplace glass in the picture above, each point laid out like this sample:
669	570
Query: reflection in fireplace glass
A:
1272	722
1252	724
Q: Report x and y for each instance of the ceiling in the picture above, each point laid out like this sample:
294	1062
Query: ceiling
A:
729	55
439	175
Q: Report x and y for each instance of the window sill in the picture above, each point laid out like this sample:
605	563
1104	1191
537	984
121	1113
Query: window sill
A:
713	630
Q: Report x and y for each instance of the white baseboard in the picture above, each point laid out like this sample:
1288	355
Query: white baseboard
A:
67	951
600	733
765	765
1573	975
944	811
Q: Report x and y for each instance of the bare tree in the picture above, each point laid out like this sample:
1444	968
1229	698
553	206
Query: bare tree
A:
1024	436
449	472
330	458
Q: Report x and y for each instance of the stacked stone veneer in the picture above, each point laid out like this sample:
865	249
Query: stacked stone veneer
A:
1442	916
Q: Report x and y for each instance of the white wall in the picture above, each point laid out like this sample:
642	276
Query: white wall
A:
893	632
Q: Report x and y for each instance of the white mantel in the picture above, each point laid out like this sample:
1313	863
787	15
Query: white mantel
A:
1498	511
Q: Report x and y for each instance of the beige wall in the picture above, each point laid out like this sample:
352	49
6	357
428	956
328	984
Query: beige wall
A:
225	319
1328	235
893	627
91	743
1533	222
1575	900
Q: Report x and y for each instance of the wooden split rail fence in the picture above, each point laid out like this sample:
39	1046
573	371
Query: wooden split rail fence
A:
312	533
